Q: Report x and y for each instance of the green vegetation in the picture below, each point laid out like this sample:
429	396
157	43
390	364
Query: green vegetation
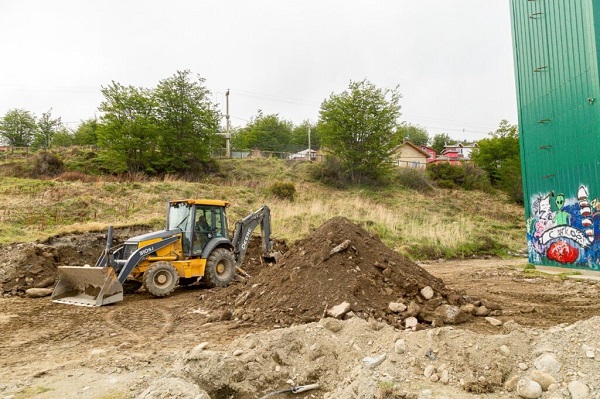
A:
499	156
359	128
283	190
422	224
31	392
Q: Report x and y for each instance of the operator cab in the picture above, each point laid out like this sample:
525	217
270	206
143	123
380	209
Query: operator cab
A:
199	220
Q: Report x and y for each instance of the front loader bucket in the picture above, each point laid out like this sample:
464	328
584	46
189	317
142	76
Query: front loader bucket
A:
87	286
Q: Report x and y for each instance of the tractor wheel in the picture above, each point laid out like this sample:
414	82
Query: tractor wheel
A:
161	279
131	286
220	268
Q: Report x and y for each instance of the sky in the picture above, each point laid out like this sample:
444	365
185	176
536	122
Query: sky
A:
452	60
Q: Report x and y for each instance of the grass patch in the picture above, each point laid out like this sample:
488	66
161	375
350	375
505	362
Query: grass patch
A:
424	226
31	392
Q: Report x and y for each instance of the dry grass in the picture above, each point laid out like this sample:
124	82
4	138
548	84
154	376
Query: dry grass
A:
444	220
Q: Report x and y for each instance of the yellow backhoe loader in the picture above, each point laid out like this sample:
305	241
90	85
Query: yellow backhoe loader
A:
195	245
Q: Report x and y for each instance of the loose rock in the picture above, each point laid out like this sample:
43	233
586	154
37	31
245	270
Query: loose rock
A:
528	389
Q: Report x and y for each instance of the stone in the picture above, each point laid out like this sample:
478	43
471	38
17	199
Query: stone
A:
528	389
468	308
397	307
411	322
523	366
427	292
482	311
333	325
372	362
491	305
590	354
413	309
451	314
511	383
400	346
548	363
339	311
238	352
429	370
494	322
542	378
504	350
445	377
38	292
578	390
200	347
44	282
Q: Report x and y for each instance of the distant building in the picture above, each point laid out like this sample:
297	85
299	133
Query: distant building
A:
304	155
431	152
463	150
408	155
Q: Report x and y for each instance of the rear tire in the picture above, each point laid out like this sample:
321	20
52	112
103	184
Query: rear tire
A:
161	279
220	268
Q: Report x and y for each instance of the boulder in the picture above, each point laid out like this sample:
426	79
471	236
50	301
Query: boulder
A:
38	292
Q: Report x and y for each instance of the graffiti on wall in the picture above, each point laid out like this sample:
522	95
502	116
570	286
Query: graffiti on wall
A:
562	231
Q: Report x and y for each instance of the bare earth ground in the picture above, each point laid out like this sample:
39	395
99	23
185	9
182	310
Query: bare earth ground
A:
58	351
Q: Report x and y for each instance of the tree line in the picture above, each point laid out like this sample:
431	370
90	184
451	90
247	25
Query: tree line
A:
175	126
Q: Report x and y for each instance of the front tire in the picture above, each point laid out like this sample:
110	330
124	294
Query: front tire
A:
161	279
220	268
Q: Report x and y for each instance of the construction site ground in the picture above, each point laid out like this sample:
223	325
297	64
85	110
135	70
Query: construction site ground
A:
198	344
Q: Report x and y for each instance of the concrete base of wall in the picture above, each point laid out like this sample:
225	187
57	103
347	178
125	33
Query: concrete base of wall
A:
585	274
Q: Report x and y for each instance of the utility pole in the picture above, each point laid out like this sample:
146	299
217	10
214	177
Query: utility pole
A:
227	133
309	152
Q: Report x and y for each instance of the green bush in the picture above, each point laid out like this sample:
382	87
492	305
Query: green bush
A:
414	179
468	177
330	172
46	163
283	190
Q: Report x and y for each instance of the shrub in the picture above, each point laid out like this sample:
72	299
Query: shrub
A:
414	179
46	164
330	172
283	190
465	176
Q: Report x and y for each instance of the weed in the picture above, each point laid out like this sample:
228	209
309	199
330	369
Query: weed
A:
31	392
283	190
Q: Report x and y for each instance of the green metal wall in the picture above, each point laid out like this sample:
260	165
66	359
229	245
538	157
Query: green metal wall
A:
556	46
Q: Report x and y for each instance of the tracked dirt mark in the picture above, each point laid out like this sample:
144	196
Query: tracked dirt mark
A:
143	324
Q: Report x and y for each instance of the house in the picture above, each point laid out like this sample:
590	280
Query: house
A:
408	155
431	152
463	150
304	155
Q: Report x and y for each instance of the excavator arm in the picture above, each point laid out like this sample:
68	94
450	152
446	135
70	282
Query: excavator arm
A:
243	233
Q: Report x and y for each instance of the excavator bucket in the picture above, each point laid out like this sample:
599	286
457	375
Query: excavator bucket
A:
87	286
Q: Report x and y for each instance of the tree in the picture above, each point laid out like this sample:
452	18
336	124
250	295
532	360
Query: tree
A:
499	156
188	120
413	133
359	127
17	127
47	127
299	137
440	140
129	129
86	133
62	138
265	132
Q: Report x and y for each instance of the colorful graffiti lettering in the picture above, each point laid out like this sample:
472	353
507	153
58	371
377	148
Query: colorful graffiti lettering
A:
567	235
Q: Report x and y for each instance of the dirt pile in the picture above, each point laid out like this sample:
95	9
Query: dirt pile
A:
34	265
341	262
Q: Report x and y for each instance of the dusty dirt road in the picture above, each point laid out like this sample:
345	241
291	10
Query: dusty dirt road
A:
51	350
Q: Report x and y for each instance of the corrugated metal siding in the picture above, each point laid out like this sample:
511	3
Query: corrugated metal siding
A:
556	66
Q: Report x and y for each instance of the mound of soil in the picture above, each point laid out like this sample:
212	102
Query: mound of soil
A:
34	265
339	262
